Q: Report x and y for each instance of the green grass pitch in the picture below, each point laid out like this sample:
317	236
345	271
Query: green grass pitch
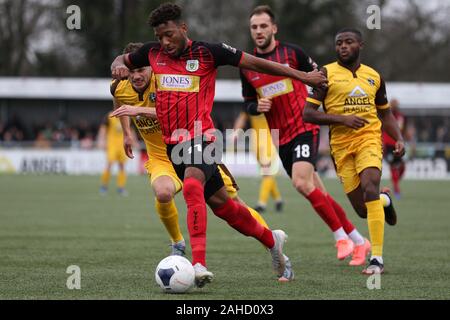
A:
48	223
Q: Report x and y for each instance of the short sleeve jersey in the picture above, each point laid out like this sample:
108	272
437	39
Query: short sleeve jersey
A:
185	85
288	95
149	129
360	93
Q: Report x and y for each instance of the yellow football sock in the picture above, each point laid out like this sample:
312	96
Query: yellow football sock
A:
121	179
264	190
258	217
375	221
168	214
105	178
274	192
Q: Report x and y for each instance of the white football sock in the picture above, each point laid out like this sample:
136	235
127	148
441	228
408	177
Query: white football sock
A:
356	237
386	198
340	234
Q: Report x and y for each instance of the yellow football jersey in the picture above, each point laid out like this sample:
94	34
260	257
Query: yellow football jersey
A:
360	93
149	129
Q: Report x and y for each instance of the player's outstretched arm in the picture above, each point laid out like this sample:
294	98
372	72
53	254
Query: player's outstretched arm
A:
312	115
119	69
128	137
390	126
314	78
133	111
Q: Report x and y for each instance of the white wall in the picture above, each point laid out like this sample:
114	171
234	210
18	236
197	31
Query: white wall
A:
411	95
92	162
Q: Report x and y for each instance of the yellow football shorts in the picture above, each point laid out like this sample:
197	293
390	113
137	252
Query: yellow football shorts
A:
116	153
229	182
352	159
157	167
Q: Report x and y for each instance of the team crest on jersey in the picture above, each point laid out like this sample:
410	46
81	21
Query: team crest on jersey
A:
357	92
371	81
192	65
152	97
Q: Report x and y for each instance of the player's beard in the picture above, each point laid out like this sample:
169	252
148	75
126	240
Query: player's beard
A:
351	59
266	43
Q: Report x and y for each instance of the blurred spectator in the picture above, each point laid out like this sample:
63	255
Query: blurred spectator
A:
87	141
42	142
419	129
12	132
74	137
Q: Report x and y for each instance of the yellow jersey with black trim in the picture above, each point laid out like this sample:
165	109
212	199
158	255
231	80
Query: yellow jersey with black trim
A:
114	133
149	129
360	93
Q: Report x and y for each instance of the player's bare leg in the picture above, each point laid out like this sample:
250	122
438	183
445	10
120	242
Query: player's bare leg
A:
361	245
356	198
239	217
304	182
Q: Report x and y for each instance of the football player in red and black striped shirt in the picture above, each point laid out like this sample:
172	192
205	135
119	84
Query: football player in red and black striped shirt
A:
185	73
396	164
282	100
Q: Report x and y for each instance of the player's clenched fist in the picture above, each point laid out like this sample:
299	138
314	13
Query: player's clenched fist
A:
316	79
264	105
128	146
399	149
120	72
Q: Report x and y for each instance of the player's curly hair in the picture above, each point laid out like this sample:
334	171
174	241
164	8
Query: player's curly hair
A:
132	47
164	13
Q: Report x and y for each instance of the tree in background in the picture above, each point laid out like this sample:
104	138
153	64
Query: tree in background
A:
22	23
412	45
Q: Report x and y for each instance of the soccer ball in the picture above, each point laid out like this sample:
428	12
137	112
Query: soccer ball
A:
175	274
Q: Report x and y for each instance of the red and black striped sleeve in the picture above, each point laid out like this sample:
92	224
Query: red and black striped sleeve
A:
304	61
224	54
249	94
139	58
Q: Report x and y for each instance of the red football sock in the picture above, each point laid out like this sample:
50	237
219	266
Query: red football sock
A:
346	224
196	218
324	209
241	219
395	175
401	170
